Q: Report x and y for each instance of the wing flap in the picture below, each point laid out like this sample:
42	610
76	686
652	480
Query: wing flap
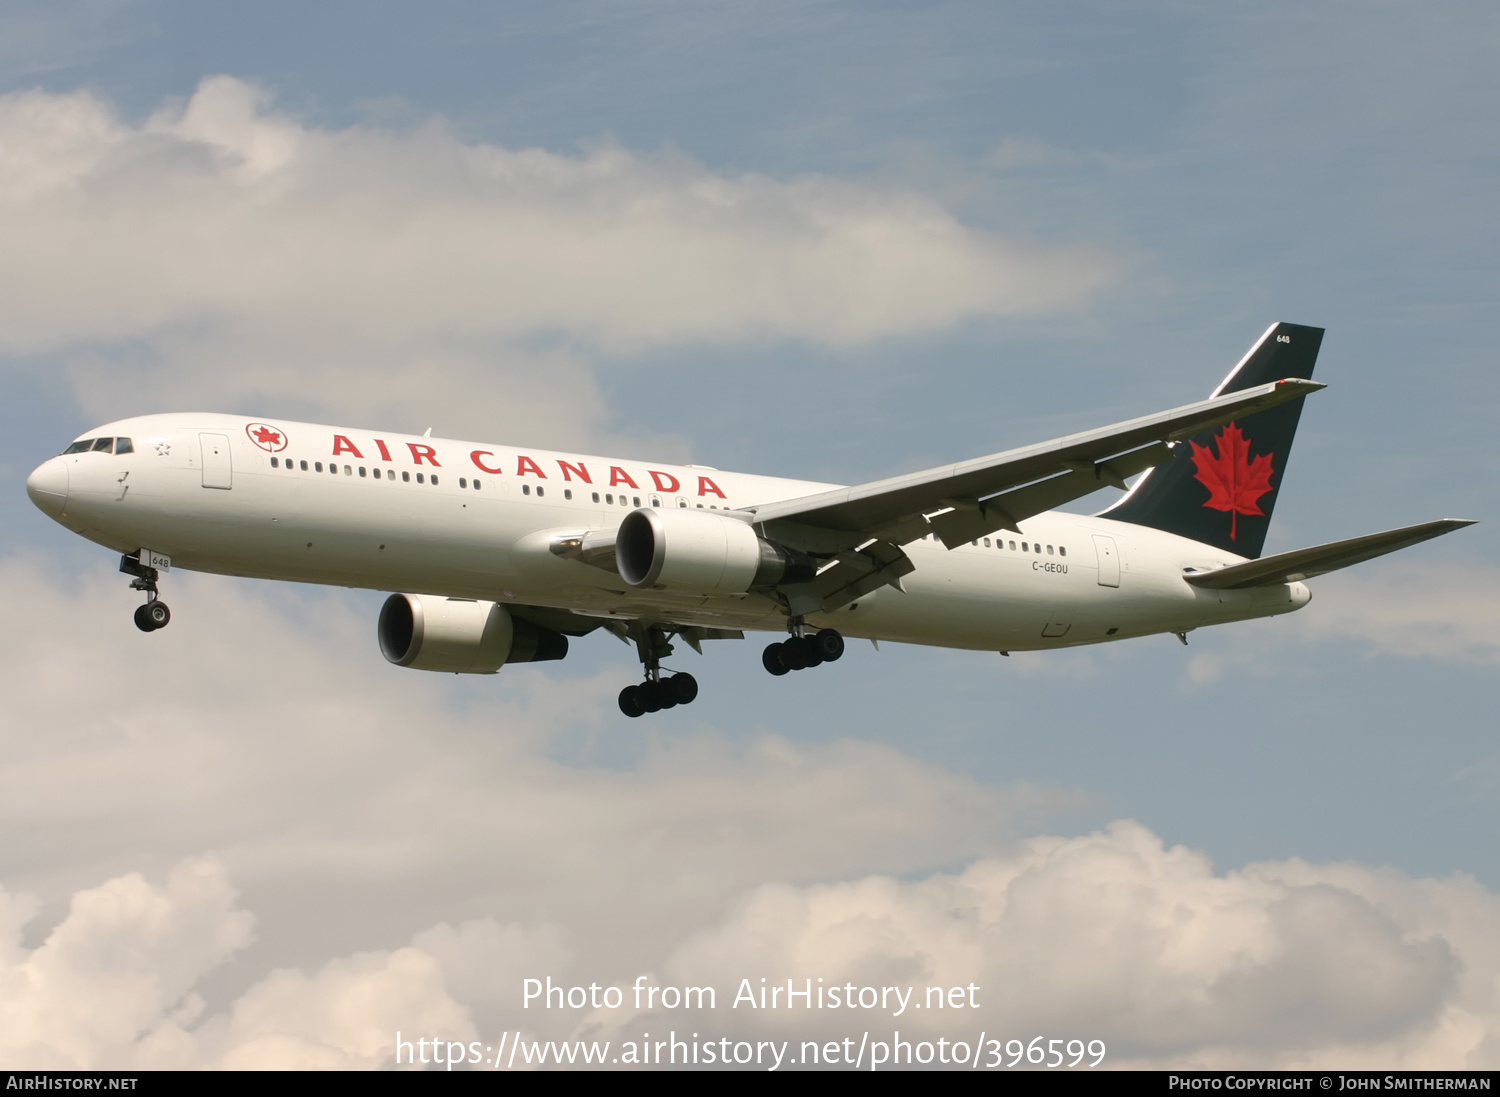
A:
1292	567
1008	509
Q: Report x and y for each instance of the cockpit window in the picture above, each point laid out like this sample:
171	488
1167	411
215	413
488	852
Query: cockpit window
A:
103	445
122	445
80	447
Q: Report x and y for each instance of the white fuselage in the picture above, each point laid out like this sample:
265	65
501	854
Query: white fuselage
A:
477	520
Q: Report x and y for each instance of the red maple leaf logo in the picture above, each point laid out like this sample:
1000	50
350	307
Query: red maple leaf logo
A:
266	437
1234	479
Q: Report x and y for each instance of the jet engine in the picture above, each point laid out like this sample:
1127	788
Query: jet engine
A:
702	552
461	635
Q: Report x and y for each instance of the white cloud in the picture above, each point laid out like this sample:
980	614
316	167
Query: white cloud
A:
358	804
1398	608
245	250
1114	937
221	209
1109	937
411	855
126	955
1444	612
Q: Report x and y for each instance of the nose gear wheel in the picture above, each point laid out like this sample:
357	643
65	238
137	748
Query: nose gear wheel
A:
154	614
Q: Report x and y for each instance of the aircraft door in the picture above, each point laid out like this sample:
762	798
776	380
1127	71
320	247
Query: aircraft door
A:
1109	560
217	470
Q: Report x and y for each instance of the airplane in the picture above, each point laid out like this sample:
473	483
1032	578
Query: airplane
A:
499	554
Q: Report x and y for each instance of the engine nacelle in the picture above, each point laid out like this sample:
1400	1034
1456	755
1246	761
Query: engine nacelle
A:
701	552
460	635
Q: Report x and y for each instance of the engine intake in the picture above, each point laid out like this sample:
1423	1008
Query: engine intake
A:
702	552
461	635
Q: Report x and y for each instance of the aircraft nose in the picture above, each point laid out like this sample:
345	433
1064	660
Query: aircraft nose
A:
48	486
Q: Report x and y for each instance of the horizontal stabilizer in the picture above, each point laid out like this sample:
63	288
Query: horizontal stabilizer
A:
1291	567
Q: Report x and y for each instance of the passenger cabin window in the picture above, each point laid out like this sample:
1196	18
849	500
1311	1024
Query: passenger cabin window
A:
302	465
275	463
567	493
525	488
434	479
1062	550
462	482
406	477
361	470
317	466
476	485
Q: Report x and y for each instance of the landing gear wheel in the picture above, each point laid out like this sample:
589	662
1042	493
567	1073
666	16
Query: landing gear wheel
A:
795	653
650	694
683	688
630	701
152	616
773	659
829	643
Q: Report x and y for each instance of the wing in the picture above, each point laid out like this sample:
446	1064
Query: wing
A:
1290	567
1005	488
974	498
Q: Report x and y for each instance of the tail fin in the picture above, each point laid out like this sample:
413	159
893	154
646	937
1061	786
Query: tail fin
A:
1222	485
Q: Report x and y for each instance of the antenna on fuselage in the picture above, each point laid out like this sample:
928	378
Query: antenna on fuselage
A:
427	433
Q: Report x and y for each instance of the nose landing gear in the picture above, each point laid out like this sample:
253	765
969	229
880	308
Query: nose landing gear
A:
154	614
801	650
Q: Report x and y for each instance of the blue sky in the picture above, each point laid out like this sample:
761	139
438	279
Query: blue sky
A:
1140	188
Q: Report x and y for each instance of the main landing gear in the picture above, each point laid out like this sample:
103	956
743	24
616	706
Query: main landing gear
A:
657	692
154	614
802	650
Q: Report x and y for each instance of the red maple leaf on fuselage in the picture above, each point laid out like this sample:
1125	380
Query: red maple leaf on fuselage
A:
268	436
1234	479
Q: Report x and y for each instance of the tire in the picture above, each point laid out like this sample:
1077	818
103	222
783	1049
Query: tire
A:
650	694
830	644
630	701
684	687
794	653
773	661
143	622
158	614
